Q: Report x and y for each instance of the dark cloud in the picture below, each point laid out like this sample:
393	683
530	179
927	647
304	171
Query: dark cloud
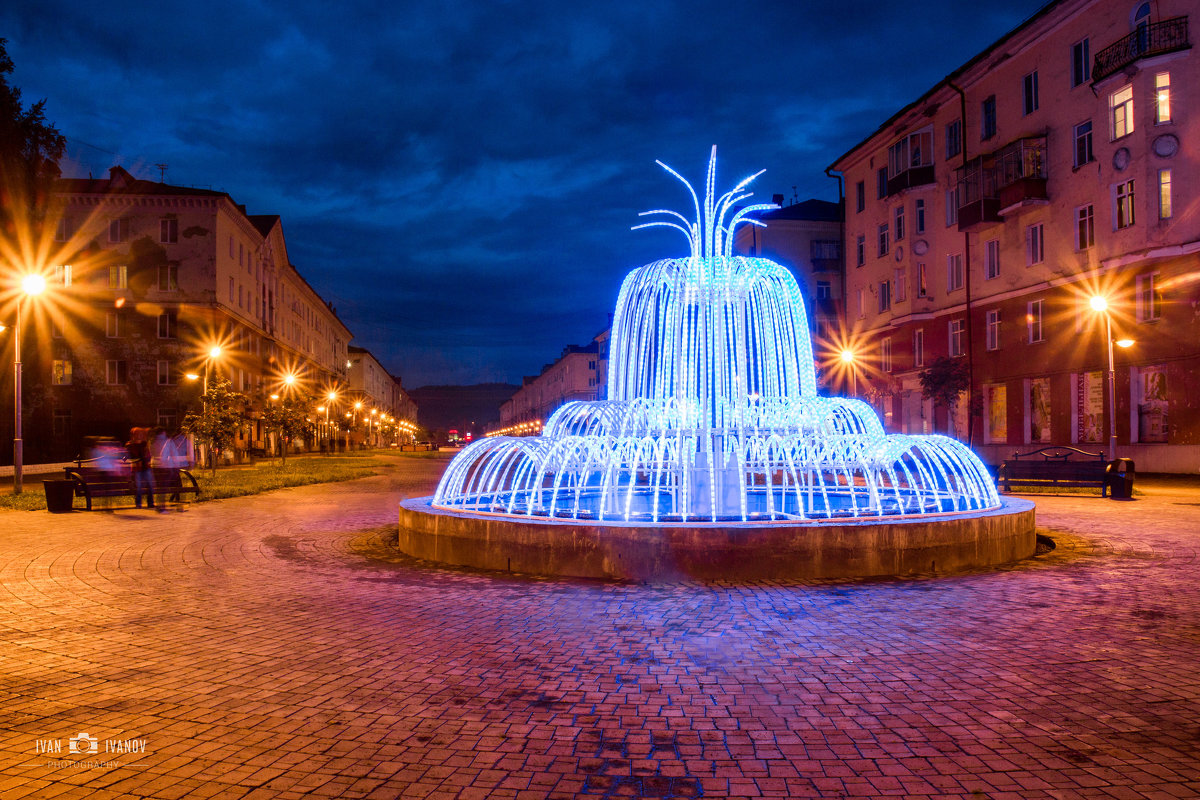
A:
461	183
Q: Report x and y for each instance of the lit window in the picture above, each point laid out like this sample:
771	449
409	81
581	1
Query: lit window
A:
61	374
1123	204
118	277
1035	244
1083	144
954	272
922	281
1081	65
956	338
1085	227
1162	98
919	347
993	329
1164	194
1029	93
168	231
1149	303
62	274
991	259
1033	321
1120	104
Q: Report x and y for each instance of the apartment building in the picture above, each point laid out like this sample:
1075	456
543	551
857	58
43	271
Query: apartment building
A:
150	278
574	375
1058	165
371	385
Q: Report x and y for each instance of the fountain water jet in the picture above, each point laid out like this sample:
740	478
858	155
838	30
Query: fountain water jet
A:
713	419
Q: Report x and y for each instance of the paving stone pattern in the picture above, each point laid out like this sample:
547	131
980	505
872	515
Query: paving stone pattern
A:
275	646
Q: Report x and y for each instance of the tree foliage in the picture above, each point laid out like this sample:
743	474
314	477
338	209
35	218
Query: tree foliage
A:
216	425
944	380
30	149
286	417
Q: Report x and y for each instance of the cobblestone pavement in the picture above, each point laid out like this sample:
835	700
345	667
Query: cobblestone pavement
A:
276	647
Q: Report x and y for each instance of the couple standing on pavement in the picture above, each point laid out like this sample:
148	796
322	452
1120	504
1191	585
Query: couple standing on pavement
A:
146	449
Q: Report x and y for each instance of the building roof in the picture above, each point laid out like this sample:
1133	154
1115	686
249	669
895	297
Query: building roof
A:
953	76
119	181
808	210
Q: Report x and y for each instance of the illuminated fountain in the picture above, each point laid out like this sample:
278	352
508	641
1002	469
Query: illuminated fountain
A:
713	420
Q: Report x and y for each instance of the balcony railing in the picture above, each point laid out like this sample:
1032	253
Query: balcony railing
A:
977	200
913	176
1152	39
1003	181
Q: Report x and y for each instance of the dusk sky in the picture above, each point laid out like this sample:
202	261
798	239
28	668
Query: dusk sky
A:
460	179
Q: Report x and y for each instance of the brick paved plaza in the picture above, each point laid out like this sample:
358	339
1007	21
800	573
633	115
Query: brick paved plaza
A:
274	646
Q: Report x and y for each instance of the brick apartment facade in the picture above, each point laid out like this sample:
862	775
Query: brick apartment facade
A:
1060	163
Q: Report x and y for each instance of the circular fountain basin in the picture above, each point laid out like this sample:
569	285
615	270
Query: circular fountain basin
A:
778	550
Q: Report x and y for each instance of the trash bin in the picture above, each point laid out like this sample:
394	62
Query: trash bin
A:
60	496
1119	475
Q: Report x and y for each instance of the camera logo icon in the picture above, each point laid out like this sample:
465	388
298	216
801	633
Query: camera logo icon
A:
82	743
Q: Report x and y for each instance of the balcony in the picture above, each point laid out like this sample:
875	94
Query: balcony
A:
913	176
1001	183
1153	39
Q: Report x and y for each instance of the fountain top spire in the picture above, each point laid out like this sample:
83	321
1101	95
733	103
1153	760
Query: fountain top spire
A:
709	235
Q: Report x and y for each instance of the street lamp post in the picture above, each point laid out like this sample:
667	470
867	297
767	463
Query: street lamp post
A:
847	357
31	285
1100	305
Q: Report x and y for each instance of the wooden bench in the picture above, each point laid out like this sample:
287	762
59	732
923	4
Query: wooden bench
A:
1055	469
93	481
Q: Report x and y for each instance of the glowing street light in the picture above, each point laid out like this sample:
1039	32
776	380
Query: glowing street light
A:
31	286
848	358
1099	304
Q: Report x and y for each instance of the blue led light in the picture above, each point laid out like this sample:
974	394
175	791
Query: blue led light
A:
713	412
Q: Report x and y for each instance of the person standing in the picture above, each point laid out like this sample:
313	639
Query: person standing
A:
137	449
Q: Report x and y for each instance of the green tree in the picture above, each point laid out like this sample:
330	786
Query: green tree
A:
30	149
944	380
216	425
287	418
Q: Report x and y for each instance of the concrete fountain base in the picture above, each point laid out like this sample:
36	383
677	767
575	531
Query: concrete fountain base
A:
718	551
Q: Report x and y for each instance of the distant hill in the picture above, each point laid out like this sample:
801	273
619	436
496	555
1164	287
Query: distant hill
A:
446	407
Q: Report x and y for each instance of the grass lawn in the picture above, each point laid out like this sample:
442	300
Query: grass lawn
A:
239	481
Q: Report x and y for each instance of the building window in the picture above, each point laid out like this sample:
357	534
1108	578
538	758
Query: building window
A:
1162	98
62	422
167	325
118	231
62	231
1123	204
1120	105
1149	302
1033	321
922	281
168	231
991	259
1081	63
824	290
860	250
115	372
1039	411
898	217
168	277
987	127
860	201
883	239
112	324
62	274
1029	93
901	285
953	138
826	253
995	403
951	206
956	338
920	215
993	329
885	355
1085	227
61	373
881	177
118	277
954	272
914	150
862	309
1035	244
166	376
56	327
1164	194
231	291
885	296
919	347
168	418
1083	144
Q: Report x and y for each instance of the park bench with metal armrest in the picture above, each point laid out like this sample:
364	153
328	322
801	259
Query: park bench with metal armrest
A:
1055	469
93	481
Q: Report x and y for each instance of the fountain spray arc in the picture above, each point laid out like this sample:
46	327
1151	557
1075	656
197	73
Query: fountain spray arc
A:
713	413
